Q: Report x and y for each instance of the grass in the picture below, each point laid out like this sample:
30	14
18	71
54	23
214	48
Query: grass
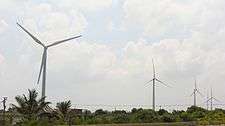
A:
149	124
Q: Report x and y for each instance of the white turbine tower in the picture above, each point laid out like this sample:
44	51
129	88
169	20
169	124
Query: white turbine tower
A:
44	56
154	80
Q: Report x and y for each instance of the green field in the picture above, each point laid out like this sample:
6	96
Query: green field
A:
150	124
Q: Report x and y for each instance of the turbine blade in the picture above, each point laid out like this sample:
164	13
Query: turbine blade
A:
192	93
42	63
216	100
207	100
34	38
153	65
199	92
195	83
162	83
149	81
61	41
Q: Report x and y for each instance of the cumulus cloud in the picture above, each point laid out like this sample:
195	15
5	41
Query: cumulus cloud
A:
50	25
85	55
174	19
189	42
177	63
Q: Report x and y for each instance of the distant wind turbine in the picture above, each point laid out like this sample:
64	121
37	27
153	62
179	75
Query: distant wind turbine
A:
44	56
153	85
195	93
211	100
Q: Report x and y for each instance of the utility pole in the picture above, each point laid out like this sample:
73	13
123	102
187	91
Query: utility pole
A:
4	108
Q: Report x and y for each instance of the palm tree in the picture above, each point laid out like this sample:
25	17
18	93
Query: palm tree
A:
29	106
63	110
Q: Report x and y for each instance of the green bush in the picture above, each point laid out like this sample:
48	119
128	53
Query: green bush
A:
166	117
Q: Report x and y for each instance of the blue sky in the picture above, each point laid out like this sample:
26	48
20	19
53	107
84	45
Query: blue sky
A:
111	63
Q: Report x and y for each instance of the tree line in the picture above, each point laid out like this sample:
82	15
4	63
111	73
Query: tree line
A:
29	110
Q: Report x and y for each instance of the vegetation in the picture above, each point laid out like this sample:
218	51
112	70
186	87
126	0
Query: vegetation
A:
29	107
31	111
63	112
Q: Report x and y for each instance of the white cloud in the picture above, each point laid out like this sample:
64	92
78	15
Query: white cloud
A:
84	5
51	25
110	26
1	59
174	19
92	57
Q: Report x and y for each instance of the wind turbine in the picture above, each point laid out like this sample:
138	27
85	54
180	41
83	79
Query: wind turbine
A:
44	56
211	100
195	93
154	80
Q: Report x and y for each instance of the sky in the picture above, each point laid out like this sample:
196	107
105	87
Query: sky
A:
112	61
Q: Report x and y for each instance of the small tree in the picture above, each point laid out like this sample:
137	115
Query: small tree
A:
30	107
63	110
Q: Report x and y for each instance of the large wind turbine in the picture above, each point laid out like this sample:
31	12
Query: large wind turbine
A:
44	56
195	93
154	80
211	100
